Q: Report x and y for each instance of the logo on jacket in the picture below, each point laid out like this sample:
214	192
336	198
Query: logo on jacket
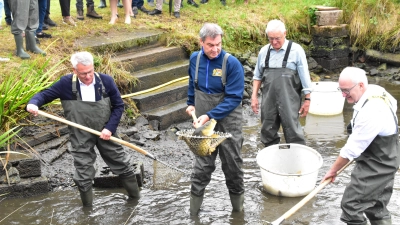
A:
217	72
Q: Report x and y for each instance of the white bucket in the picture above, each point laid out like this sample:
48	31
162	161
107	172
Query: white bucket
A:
326	99
290	171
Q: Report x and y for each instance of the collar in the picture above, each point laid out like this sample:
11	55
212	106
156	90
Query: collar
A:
284	46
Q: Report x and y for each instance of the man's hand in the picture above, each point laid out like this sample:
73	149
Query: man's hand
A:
105	134
202	119
33	109
254	105
190	109
304	108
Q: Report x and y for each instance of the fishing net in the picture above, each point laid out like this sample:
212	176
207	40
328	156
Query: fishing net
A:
202	145
165	175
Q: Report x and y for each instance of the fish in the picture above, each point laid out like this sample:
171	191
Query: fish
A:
202	139
207	129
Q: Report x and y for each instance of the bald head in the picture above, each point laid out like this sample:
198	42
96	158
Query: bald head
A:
353	83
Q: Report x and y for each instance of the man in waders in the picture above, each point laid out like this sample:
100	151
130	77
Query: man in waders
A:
283	70
93	100
374	145
216	84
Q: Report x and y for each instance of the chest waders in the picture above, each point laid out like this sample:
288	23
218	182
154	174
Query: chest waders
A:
280	104
372	181
229	150
94	115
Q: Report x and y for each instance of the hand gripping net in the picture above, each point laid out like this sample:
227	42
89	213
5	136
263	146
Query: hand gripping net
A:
202	145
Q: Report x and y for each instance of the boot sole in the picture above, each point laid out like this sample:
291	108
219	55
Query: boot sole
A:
94	17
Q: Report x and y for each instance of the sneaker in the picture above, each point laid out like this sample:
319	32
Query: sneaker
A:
177	15
135	10
193	3
43	35
69	21
155	12
50	22
143	9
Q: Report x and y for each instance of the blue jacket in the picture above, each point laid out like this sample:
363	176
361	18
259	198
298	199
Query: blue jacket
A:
62	89
212	84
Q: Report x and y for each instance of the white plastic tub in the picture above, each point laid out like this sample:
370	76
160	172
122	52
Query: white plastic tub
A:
289	170
326	99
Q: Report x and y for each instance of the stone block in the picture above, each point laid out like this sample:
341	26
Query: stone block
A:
341	30
331	64
330	42
330	53
106	179
26	188
29	168
332	17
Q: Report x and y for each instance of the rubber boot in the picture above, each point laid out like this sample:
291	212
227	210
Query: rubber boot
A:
119	4
237	202
92	13
20	47
195	204
31	43
87	197
131	186
80	14
103	4
381	222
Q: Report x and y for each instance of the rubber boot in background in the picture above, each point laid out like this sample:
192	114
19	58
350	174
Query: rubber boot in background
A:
195	204
79	15
92	13
102	4
119	4
31	43
381	222
19	42
87	197
131	186
237	202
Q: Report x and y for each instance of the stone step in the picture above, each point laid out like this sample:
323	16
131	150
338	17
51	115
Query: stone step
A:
158	75
28	187
106	179
169	114
139	59
162	96
121	41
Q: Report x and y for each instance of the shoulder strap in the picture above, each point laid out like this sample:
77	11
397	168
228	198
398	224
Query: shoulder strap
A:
75	92
196	73
223	75
284	62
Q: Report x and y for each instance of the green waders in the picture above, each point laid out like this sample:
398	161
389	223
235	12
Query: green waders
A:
95	115
280	104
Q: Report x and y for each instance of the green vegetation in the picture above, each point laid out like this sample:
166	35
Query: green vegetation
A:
373	24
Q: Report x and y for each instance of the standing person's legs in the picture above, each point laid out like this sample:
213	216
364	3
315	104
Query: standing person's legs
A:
7	12
90	10
79	9
128	10
102	4
65	12
33	23
47	19
114	11
19	24
177	7
42	12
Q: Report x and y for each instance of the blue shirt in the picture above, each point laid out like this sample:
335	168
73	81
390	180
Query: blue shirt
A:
209	82
62	89
296	61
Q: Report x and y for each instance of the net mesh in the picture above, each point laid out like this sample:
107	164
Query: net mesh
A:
165	175
202	145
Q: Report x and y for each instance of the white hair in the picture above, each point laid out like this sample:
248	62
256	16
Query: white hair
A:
84	58
274	26
356	75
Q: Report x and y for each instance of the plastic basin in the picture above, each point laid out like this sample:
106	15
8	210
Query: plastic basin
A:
326	99
289	170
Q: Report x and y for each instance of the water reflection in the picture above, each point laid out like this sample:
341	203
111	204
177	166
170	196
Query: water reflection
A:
171	206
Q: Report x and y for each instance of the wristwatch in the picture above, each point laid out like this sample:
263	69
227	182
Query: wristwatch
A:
307	99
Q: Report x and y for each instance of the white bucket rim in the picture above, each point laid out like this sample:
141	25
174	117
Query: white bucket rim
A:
295	175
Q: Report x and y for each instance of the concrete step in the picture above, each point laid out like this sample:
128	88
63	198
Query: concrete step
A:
158	75
169	114
162	96
144	58
121	41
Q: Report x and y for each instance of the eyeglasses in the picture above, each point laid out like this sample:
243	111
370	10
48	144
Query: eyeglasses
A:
274	38
84	74
347	92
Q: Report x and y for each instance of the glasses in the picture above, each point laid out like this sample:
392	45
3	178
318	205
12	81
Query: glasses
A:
274	38
84	74
347	92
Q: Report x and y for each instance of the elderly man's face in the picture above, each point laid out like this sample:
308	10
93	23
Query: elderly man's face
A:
277	39
352	92
212	47
84	73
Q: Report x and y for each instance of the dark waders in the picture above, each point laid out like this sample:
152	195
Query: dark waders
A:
95	115
229	153
372	181
280	104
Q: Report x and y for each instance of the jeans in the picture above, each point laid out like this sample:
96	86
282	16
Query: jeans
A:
42	12
7	12
137	3
79	3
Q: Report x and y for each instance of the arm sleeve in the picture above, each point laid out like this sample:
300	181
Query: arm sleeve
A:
302	69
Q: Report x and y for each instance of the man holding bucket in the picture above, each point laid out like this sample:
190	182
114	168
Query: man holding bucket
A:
216	85
283	70
92	100
374	145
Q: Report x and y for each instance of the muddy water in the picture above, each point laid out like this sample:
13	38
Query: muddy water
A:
170	206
